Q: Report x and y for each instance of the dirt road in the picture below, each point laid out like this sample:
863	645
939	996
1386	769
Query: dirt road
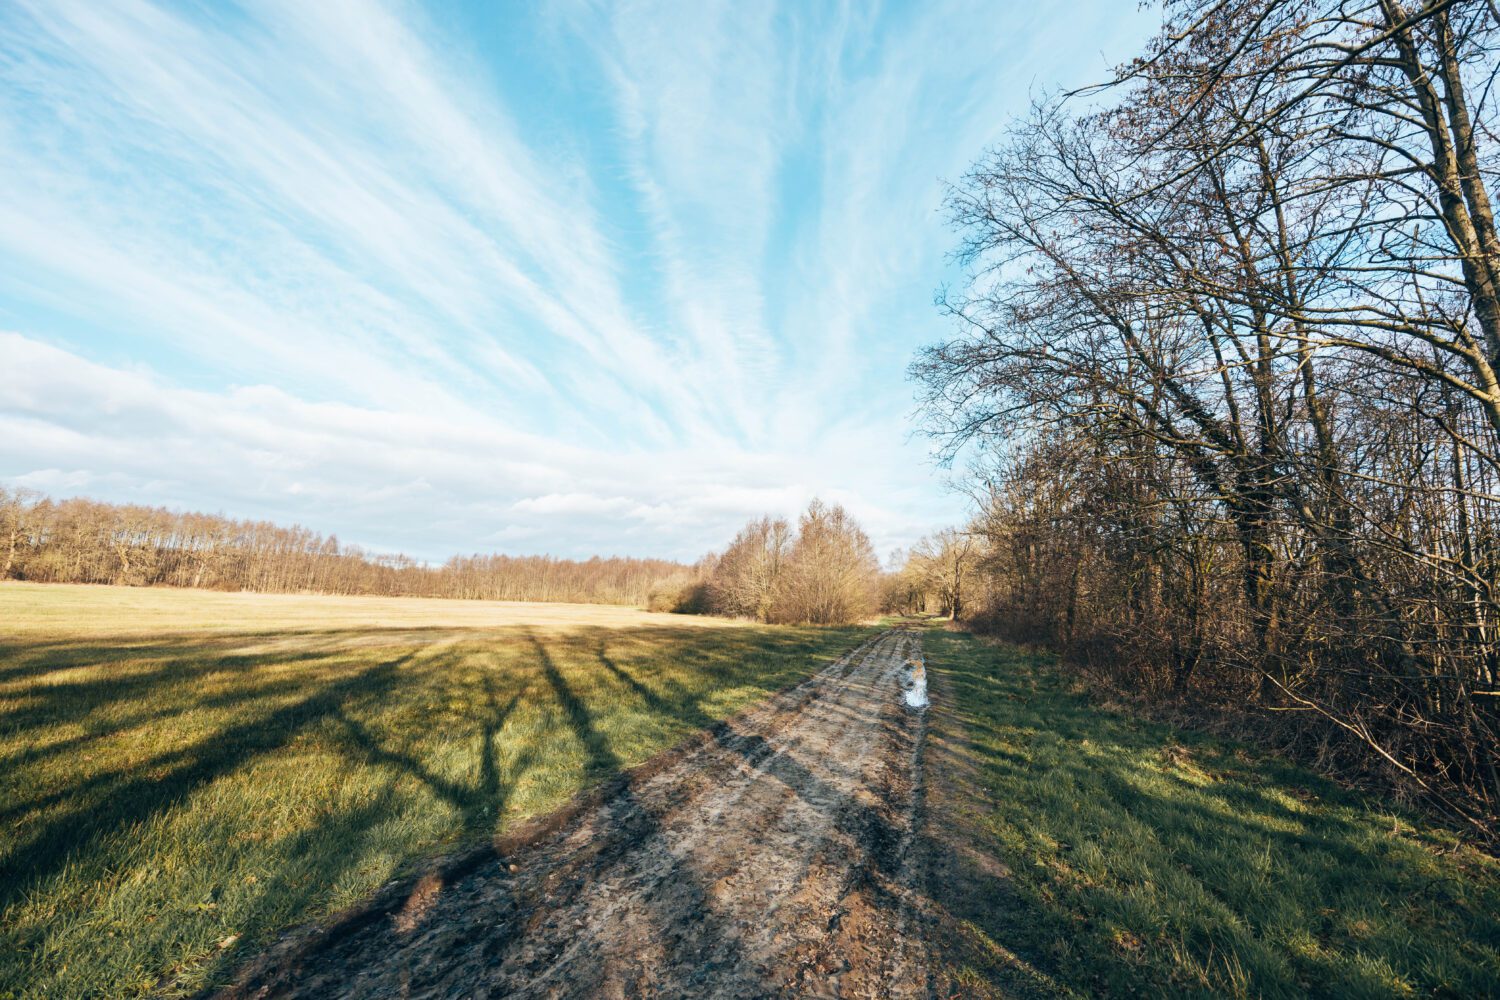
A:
773	859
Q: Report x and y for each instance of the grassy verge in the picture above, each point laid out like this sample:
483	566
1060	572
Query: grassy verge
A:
1084	852
170	801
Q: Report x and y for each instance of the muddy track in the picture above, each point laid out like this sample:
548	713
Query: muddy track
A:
774	858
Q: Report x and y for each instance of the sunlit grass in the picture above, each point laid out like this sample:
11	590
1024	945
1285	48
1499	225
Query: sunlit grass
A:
171	801
1127	858
77	611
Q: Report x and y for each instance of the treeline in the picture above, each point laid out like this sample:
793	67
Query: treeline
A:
85	541
823	573
1229	352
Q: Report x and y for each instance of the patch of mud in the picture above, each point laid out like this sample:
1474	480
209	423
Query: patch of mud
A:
774	856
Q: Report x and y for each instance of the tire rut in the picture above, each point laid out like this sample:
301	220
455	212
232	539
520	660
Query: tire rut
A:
774	858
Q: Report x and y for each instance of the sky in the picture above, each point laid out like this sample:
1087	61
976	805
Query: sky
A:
555	277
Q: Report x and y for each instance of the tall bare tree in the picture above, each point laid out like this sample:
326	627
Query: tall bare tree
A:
751	573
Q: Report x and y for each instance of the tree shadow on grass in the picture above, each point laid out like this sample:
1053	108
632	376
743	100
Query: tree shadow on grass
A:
137	794
21	661
478	804
80	701
328	701
85	823
1107	854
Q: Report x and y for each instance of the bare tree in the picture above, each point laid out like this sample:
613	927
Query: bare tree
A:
944	562
749	577
832	570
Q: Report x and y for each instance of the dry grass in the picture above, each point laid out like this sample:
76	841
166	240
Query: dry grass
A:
84	610
182	774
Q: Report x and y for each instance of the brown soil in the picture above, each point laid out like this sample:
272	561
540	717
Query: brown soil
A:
776	856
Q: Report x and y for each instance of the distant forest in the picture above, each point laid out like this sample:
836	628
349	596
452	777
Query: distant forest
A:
86	541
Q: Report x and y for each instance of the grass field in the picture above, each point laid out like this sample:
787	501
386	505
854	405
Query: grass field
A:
51	610
182	773
1102	855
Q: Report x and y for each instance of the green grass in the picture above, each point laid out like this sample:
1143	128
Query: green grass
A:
1104	855
163	793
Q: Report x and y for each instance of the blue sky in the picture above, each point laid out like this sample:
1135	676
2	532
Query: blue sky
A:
559	277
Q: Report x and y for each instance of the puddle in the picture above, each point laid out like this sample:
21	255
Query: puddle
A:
914	684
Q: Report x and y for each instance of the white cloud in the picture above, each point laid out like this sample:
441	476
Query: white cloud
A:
314	261
394	479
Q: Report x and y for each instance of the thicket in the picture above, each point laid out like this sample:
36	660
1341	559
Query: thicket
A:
1228	370
824	573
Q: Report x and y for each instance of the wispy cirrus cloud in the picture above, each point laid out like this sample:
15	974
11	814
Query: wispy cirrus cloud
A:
589	278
